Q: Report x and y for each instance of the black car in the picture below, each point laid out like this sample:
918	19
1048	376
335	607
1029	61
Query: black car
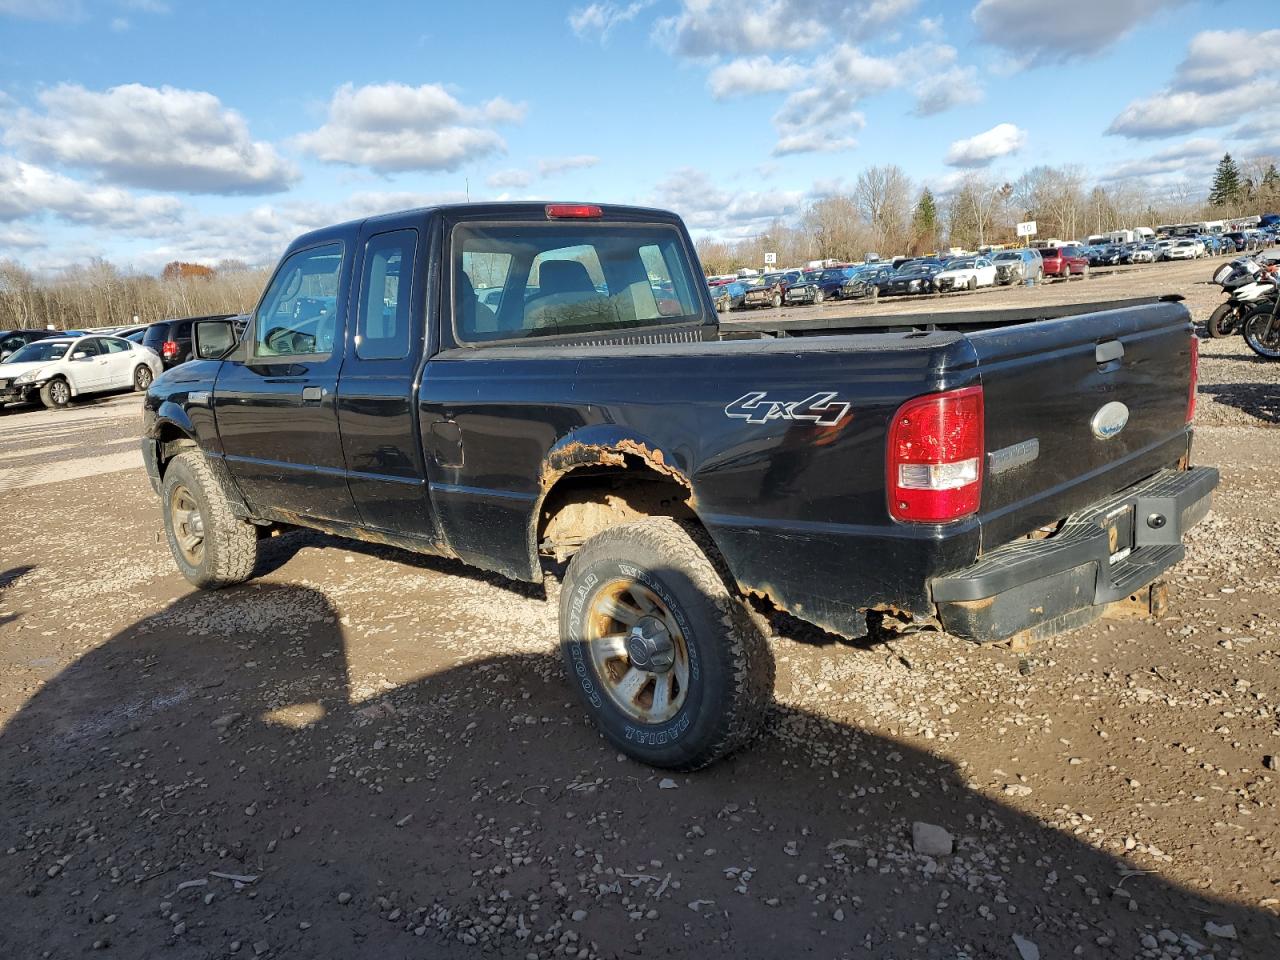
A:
1104	256
171	339
913	276
11	341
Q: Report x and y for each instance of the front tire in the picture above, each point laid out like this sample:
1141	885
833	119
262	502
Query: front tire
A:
56	394
212	546
669	663
142	378
1216	324
777	300
972	284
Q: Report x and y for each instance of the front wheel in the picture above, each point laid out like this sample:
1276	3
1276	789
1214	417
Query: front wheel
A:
1262	334
1220	322
777	300
669	663
212	546
142	378
972	284
55	394
819	297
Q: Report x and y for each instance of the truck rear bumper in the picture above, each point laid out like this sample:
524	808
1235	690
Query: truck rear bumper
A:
1103	554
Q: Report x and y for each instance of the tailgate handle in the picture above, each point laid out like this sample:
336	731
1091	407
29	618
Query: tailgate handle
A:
1107	351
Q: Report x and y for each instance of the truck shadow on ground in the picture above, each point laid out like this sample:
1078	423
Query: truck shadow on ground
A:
473	808
1261	400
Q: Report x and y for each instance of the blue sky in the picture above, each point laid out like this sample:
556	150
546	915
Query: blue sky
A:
146	130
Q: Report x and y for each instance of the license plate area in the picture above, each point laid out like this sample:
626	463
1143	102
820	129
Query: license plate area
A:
1119	526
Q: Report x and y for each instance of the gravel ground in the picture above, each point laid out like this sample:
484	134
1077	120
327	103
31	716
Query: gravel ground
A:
369	753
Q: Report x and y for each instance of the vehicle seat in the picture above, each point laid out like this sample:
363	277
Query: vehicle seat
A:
473	316
566	298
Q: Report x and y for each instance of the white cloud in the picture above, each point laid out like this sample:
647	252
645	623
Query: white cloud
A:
982	149
822	116
944	90
706	206
728	27
42	9
1047	31
1172	112
158	138
509	179
27	190
597	20
16	237
748	75
1217	59
1189	158
558	165
392	127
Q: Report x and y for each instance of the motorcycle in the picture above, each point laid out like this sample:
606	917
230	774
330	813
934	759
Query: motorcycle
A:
1246	285
1262	325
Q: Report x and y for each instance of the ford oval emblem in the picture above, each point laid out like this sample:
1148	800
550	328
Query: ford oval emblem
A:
1109	420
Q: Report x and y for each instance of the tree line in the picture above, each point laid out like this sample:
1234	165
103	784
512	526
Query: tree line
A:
98	294
885	213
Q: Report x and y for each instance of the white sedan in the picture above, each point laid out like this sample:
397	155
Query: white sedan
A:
1183	250
59	368
967	273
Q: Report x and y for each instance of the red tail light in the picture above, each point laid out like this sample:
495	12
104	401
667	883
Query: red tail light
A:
1195	377
573	211
169	350
935	453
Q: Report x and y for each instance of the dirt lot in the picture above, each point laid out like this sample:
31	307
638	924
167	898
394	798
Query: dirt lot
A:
366	753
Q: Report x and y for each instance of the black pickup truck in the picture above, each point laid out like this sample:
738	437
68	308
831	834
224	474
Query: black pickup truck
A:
520	384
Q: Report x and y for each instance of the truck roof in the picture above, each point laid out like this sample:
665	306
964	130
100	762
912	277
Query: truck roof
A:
513	210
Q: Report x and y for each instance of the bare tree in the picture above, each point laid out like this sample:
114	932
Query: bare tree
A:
882	195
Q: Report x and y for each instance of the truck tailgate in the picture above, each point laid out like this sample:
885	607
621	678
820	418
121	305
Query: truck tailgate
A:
1051	448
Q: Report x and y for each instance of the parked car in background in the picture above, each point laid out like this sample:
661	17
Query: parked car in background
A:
1103	256
866	281
1143	253
1185	249
769	290
11	341
912	276
727	296
1242	241
57	369
1064	261
818	285
1016	266
128	333
966	273
171	339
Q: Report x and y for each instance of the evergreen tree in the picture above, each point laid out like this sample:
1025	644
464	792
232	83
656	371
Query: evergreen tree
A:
1227	183
924	222
1271	179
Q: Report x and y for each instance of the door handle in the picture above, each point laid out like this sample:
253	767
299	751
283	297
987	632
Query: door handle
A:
313	394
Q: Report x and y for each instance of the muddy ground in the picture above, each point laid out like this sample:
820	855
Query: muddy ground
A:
365	753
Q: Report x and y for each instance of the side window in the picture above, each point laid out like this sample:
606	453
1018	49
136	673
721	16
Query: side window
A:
298	315
115	345
382	325
89	347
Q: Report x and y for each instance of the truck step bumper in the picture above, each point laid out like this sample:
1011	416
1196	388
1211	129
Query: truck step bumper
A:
1105	553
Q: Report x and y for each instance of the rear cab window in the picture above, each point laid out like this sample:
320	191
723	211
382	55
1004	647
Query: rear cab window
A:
527	280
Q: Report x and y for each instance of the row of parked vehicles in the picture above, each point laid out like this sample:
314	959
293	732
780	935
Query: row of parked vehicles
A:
936	275
54	367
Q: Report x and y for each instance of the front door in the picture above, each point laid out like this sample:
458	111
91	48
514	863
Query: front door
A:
376	395
120	363
275	397
88	365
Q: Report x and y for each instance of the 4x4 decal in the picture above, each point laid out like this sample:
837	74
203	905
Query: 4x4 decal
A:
755	407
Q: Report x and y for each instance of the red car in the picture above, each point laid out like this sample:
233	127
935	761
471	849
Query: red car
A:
1064	261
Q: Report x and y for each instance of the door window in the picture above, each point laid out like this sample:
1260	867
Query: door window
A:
115	345
89	347
382	325
298	315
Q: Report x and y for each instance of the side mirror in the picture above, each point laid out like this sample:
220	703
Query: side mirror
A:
79	356
6	354
213	339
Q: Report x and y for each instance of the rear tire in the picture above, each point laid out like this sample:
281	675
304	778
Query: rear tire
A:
56	394
1262	334
142	377
212	547
1084	273
654	582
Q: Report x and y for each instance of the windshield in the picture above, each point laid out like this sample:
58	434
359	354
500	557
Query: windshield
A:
772	278
40	351
919	266
561	278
